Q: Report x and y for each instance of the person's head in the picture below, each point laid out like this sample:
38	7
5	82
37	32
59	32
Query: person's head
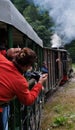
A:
12	53
25	59
44	64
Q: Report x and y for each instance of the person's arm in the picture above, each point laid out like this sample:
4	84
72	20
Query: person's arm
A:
26	96
31	81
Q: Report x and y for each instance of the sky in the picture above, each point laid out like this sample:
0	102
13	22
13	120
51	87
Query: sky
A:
63	15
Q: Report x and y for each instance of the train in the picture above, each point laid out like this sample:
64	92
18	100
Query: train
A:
15	31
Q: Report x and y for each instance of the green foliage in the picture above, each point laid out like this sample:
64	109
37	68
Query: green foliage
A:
31	12
20	4
64	121
71	49
44	34
73	65
60	121
40	23
46	20
39	20
58	109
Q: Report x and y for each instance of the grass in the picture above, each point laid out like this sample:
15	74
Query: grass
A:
59	111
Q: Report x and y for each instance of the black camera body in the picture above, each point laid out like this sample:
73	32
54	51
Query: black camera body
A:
35	75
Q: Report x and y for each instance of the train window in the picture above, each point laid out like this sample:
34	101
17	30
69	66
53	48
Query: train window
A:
3	35
64	60
56	66
17	38
29	43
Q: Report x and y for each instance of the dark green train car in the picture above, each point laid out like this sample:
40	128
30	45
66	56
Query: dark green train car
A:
15	31
59	64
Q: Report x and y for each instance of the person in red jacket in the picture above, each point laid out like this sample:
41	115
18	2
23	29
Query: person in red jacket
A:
4	112
12	82
10	54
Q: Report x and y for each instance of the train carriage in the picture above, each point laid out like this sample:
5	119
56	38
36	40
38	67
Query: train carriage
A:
59	65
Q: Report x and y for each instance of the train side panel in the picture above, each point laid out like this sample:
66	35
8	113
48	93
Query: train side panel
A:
55	68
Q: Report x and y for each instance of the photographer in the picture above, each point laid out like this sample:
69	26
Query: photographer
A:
4	111
9	54
13	83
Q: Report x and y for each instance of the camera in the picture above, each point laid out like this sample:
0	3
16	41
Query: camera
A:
35	75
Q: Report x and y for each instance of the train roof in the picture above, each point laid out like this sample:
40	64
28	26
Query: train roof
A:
56	49
10	15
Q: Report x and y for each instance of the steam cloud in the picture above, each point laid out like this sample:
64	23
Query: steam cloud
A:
56	41
63	14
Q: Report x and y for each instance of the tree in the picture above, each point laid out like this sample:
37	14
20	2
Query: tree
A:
20	4
31	12
71	49
39	20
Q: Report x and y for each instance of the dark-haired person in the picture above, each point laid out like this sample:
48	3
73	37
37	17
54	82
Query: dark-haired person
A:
3	52
13	83
4	112
10	54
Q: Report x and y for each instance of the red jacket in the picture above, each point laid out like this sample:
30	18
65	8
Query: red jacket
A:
12	83
3	52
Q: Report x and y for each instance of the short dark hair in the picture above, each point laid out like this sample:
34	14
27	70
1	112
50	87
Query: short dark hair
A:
26	57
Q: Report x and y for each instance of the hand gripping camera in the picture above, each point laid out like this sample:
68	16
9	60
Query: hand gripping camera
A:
35	75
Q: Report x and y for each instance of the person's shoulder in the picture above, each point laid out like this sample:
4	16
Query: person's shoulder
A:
1	55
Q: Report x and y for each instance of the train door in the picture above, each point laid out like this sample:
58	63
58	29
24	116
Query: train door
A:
53	69
49	58
49	70
46	60
64	67
56	66
60	65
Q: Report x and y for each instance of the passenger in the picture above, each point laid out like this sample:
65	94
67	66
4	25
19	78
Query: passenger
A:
44	68
13	83
11	53
3	52
36	66
4	112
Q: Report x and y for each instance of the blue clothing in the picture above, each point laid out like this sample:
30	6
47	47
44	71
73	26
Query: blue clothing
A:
44	69
5	117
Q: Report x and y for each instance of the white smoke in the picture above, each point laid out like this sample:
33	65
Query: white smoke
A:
56	41
63	14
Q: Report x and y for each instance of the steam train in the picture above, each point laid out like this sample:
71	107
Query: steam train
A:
18	32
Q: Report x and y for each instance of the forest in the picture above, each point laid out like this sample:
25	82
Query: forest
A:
41	22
